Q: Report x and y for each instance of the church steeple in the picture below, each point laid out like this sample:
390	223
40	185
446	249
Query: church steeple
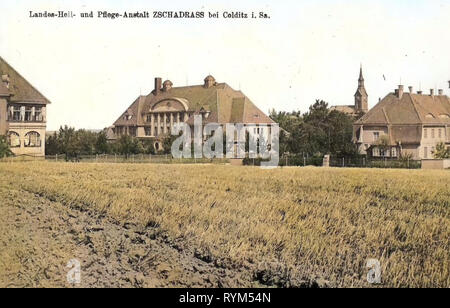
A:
361	97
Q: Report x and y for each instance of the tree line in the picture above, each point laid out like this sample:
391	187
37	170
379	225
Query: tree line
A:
74	143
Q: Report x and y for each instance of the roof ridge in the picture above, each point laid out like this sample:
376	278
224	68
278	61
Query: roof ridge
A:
413	101
386	116
18	74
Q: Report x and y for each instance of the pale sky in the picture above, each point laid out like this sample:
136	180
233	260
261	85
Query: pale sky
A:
92	70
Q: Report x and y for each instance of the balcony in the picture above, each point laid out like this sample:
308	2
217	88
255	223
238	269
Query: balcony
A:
30	119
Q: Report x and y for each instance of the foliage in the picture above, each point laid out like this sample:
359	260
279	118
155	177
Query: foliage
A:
5	151
442	151
318	132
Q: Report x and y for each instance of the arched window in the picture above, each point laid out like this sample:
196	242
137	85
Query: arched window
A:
14	140
32	140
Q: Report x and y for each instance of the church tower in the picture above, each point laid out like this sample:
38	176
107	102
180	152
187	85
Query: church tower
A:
361	97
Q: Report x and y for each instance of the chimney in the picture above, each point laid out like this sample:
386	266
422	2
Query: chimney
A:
411	89
400	91
441	92
432	92
158	84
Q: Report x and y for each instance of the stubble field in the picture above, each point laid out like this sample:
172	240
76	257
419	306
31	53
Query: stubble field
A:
216	225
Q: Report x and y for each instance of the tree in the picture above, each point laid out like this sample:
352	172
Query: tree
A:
127	145
52	145
69	142
317	132
441	152
101	144
5	151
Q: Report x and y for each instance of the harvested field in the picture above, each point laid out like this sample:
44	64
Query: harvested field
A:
214	225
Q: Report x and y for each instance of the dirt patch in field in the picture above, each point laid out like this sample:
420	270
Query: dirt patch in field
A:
38	238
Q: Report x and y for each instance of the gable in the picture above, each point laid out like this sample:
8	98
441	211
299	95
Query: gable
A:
21	90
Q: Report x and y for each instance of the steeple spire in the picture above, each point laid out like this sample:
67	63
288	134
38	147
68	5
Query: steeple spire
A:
361	97
361	77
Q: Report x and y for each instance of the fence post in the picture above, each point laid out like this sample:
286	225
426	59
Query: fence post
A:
408	162
286	161
343	161
304	161
56	157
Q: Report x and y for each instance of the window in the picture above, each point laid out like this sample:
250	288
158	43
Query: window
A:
28	114
432	133
382	153
16	113
38	114
376	136
148	131
33	140
13	140
425	133
394	152
440	133
132	131
376	152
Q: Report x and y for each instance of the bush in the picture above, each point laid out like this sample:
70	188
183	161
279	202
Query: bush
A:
5	151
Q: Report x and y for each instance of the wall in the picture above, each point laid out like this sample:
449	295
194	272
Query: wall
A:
411	150
368	137
435	163
3	117
429	142
22	129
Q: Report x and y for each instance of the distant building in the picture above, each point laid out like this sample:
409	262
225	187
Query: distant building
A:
361	100
22	113
411	123
152	117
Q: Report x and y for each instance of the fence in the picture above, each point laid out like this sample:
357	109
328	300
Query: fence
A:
286	160
341	162
133	158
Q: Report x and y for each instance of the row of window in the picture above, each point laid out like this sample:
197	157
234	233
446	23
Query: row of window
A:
392	152
161	115
433	133
16	114
31	140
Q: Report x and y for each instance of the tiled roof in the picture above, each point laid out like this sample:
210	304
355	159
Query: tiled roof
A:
21	90
225	105
410	109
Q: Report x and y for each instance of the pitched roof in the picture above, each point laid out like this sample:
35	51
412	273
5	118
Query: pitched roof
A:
224	104
348	109
21	90
410	109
